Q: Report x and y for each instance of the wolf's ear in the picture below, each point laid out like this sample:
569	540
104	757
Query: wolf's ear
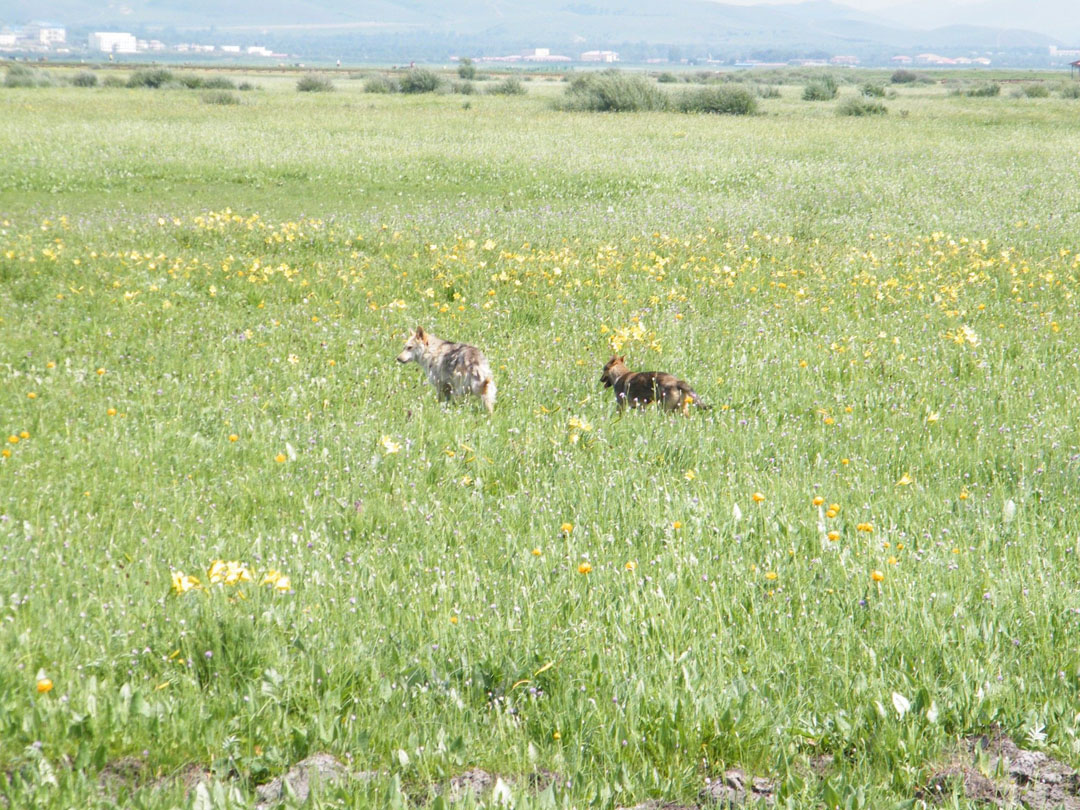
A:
621	359
420	333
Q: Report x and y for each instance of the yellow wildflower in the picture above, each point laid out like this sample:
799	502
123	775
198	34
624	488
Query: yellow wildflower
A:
182	583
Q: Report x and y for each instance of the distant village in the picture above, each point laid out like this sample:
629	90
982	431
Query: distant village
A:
46	39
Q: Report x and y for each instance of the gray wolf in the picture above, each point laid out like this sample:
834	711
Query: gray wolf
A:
639	388
455	369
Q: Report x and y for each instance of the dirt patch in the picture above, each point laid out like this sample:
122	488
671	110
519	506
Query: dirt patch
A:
189	777
479	784
821	764
1034	779
735	789
120	773
317	769
475	781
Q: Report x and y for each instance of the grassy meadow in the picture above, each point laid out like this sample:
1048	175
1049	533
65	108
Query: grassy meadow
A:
235	533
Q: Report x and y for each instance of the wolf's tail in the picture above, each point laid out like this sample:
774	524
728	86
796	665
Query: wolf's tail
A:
487	394
690	397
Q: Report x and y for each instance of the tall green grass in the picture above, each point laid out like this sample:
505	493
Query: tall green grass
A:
875	314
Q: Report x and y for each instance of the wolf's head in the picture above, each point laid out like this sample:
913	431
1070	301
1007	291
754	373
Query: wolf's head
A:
614	369
414	346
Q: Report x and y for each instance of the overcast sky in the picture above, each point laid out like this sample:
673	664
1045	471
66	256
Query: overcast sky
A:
861	5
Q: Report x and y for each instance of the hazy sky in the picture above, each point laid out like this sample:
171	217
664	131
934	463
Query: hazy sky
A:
861	5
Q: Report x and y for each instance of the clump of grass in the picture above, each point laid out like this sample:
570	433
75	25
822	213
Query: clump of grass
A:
1071	90
191	81
314	84
860	106
904	77
667	77
718	99
84	79
245	86
219	83
380	84
23	76
871	90
820	89
508	87
113	81
612	91
768	91
463	88
420	80
987	90
1036	91
225	97
153	78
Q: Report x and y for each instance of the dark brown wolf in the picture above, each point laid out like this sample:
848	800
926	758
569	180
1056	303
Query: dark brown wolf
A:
638	388
454	369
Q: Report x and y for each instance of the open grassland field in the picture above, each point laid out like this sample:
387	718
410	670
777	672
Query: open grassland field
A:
234	533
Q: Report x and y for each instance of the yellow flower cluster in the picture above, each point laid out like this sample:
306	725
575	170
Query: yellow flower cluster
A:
231	572
228	573
576	427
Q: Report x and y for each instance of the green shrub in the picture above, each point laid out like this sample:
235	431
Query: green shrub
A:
821	89
667	77
85	79
508	87
463	88
858	105
113	81
314	84
150	77
718	99
380	84
768	91
466	70
1071	90
219	83
612	91
220	97
420	80
245	86
904	77
22	76
191	81
1036	91
871	90
987	90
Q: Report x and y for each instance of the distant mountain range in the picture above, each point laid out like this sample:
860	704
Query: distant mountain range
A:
1059	19
819	25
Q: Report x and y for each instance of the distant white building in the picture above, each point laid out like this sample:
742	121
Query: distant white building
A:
600	56
113	42
47	34
259	50
230	49
8	38
1063	54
